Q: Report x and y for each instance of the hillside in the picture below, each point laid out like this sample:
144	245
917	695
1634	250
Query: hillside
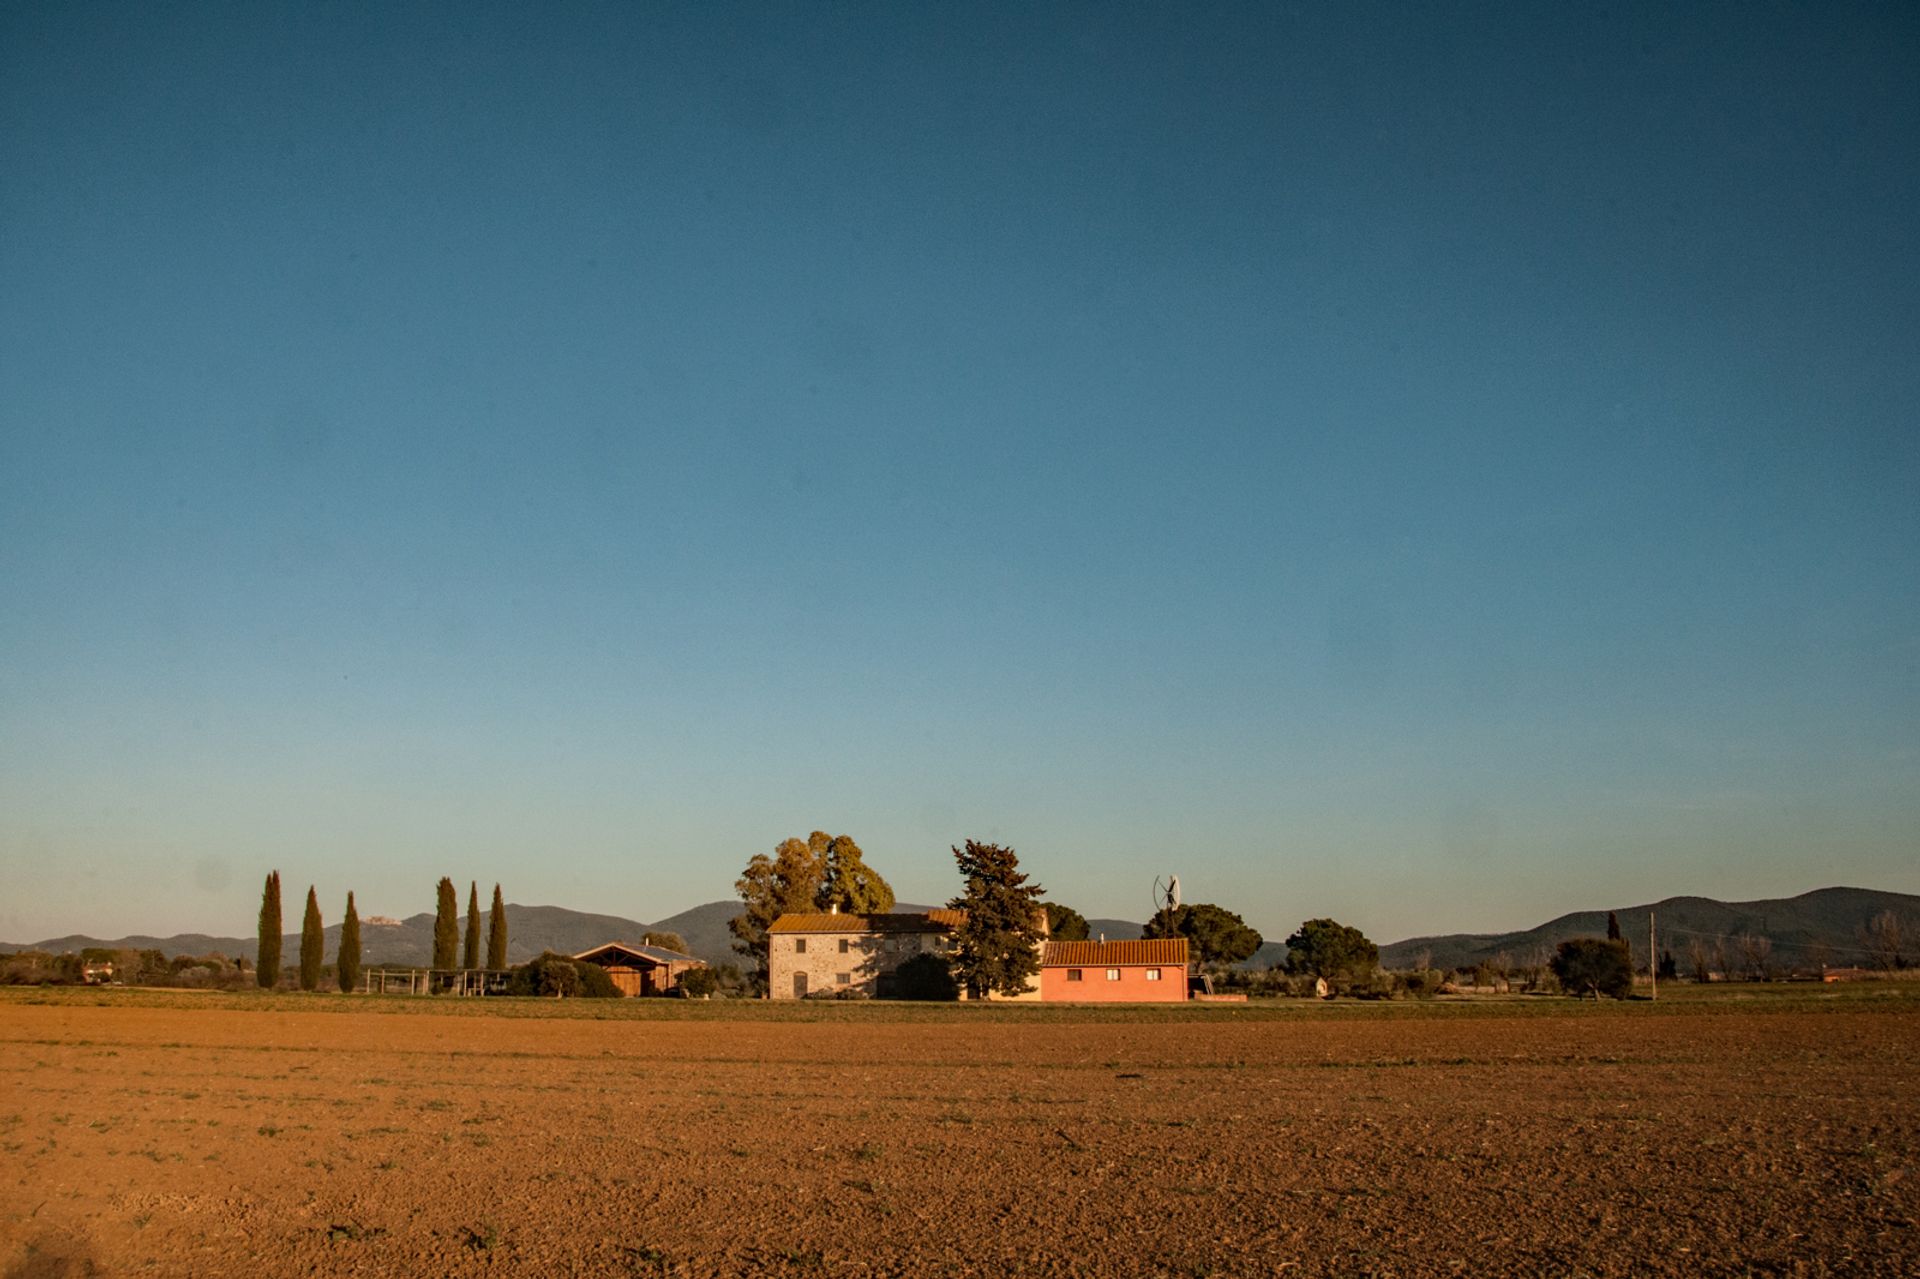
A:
1829	917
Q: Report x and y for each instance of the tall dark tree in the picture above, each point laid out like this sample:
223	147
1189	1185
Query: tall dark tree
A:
446	926
1613	926
471	959
1064	923
996	951
267	969
497	932
347	966
313	941
1217	935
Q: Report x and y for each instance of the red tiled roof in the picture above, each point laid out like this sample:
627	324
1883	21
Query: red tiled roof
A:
1169	951
931	921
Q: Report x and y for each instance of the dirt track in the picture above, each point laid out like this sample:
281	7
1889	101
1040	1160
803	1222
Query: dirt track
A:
210	1142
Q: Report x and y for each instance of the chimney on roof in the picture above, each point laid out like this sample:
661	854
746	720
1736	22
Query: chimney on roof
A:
1103	939
833	908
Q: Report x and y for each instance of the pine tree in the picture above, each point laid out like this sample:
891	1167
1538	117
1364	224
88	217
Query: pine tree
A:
267	969
446	926
471	959
497	932
312	944
997	950
348	964
1613	926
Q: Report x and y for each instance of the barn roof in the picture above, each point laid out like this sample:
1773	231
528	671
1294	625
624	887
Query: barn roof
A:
1171	951
927	921
647	954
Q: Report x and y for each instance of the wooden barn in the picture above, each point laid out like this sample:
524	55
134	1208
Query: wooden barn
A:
641	970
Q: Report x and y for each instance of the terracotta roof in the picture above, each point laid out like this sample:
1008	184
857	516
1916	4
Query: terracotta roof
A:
1171	951
931	921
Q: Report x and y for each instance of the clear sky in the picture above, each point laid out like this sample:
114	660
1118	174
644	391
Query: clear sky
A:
1435	466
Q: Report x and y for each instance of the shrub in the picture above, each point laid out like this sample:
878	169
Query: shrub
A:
925	977
1422	983
1374	985
698	983
561	975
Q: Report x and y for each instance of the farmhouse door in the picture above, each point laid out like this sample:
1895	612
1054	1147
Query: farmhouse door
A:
799	985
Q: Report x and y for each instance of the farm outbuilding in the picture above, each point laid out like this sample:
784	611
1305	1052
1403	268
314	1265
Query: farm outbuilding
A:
639	969
1138	972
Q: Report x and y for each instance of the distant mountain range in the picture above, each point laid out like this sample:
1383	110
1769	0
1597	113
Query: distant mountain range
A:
1826	917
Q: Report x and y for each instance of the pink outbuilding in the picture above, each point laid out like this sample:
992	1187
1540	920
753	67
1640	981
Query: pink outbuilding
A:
1115	972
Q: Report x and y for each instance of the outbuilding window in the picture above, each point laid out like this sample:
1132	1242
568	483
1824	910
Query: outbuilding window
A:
845	945
799	945
1153	974
842	978
1074	974
1113	974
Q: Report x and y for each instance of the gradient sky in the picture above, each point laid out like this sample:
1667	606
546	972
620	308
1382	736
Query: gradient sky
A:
1435	466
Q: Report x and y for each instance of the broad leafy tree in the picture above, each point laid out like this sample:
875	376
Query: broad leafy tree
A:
347	966
497	932
1593	966
1217	935
1325	948
664	940
996	950
846	880
313	954
1064	923
446	926
471	959
267	970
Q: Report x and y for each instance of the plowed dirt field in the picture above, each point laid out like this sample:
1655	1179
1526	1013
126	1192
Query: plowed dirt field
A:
1619	1140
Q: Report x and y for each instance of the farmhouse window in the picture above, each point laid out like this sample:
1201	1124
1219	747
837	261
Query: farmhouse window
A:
1113	974
842	978
1153	974
1073	974
844	945
799	945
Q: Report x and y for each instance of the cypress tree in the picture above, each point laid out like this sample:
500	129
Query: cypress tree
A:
472	957
312	944
497	932
267	969
349	962
446	926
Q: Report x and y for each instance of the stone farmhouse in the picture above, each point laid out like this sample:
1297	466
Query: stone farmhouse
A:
813	954
829	953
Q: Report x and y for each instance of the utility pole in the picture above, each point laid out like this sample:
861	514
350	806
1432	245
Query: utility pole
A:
1653	960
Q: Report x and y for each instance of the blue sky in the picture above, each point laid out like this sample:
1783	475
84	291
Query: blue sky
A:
1434	467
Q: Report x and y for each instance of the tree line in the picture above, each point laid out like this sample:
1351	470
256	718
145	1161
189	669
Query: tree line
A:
348	967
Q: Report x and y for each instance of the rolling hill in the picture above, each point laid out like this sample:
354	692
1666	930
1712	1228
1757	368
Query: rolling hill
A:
1797	926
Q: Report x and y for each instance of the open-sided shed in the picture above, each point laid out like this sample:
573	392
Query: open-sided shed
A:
641	970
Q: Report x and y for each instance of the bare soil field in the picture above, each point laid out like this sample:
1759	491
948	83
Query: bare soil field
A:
343	1136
